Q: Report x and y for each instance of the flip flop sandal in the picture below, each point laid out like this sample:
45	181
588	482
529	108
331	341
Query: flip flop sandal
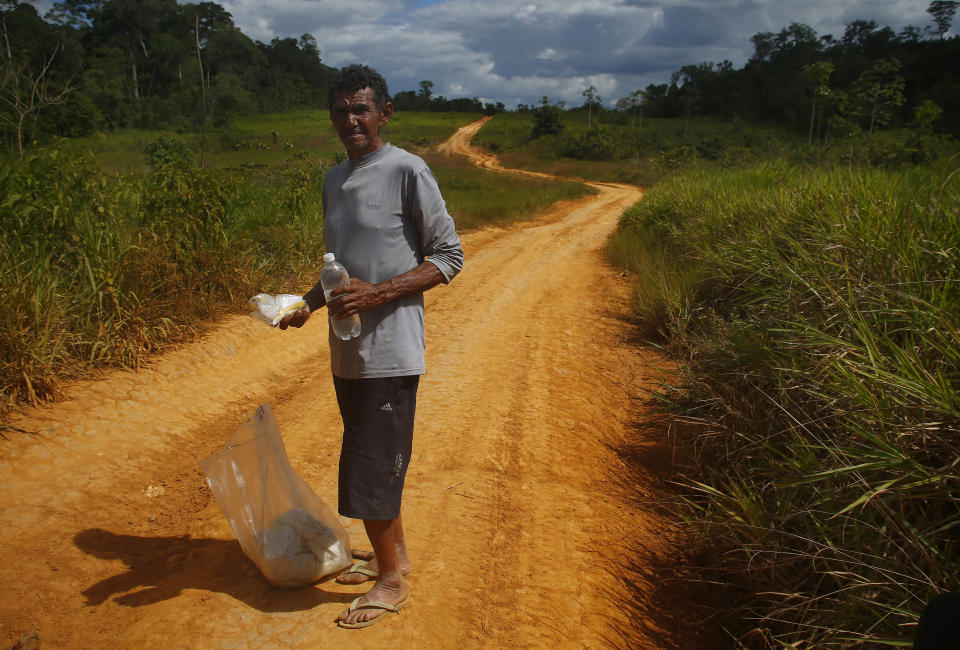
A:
386	608
362	569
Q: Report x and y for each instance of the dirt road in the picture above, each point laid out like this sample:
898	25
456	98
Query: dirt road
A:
110	537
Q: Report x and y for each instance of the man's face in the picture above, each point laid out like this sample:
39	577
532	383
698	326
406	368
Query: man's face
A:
357	121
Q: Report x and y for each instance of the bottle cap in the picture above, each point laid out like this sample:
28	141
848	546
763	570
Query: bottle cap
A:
329	257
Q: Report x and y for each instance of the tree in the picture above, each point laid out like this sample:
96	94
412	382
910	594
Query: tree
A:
426	89
203	92
211	17
877	90
685	90
818	74
630	104
857	35
925	115
132	25
592	98
942	12
547	119
26	89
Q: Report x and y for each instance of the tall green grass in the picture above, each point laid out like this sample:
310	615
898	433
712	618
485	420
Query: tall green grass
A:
103	270
815	318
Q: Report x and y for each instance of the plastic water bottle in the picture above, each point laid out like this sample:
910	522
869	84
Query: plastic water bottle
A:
332	276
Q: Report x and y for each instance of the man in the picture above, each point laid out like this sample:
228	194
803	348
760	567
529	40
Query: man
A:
386	222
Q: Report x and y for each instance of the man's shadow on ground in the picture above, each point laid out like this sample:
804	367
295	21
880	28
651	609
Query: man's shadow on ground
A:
160	568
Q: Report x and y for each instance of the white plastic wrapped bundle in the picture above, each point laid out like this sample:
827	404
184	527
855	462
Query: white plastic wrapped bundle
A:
281	524
298	545
271	309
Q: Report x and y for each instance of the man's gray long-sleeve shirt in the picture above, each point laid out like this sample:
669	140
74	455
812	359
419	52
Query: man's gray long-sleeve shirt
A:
383	216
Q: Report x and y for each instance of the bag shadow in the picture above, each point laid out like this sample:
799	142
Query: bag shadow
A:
161	568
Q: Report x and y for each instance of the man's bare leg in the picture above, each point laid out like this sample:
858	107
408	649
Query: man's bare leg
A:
390	586
372	565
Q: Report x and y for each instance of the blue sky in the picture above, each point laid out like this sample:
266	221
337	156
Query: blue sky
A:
516	51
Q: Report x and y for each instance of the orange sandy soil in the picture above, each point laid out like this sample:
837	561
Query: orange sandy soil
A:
513	511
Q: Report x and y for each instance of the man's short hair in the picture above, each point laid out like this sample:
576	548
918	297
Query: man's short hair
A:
357	77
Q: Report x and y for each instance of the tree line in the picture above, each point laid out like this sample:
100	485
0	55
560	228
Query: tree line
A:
869	78
107	64
89	66
423	99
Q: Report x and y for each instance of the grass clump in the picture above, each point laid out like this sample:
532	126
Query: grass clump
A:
814	314
477	197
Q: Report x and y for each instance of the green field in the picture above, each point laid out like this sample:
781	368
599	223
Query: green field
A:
260	141
618	149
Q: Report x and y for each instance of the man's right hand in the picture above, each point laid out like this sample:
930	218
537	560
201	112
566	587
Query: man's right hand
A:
296	319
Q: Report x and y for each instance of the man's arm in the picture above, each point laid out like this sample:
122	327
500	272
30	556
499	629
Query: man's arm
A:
360	296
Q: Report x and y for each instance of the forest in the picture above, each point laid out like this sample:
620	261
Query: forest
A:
89	67
98	66
869	78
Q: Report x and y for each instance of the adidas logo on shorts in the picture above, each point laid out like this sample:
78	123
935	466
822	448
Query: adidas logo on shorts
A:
386	407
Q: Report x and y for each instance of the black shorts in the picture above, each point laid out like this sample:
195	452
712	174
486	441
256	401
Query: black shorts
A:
377	441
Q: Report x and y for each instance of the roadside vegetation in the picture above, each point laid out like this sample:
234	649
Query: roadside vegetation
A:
103	270
620	150
813	313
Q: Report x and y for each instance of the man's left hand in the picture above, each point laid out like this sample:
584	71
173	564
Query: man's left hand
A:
354	298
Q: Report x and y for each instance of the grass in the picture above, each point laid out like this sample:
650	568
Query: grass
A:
814	315
614	149
103	270
477	197
264	141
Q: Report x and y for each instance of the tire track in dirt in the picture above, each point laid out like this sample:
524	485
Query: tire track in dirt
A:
109	535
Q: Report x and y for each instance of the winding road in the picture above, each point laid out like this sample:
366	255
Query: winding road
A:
514	517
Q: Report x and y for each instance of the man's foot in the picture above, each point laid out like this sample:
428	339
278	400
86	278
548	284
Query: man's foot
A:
360	573
386	597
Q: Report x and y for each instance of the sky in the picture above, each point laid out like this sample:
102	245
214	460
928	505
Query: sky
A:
516	51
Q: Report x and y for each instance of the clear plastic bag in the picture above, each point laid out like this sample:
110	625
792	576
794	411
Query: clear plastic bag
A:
271	309
281	524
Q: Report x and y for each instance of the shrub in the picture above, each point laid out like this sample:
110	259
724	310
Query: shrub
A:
168	152
547	120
